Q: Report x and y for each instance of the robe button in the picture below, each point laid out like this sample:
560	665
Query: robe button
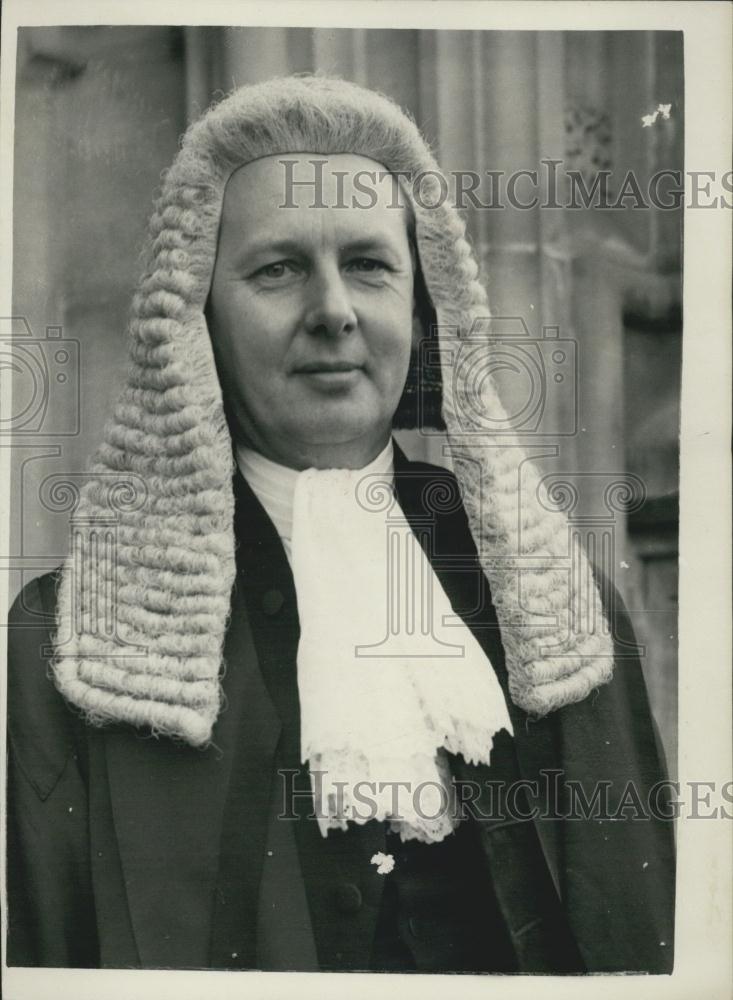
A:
348	898
272	602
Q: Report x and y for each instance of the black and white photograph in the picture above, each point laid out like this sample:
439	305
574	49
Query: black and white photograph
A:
366	498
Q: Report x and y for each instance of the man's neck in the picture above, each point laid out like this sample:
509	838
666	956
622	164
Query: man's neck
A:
274	484
347	455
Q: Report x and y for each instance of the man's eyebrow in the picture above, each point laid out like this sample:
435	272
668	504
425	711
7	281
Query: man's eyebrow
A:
284	247
370	244
267	246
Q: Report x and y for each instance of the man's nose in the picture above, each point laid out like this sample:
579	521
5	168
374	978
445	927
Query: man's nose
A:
329	309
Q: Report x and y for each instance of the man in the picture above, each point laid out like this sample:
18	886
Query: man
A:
244	786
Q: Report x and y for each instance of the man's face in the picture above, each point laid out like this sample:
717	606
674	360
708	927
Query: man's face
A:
310	311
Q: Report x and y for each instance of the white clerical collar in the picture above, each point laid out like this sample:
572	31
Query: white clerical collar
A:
274	484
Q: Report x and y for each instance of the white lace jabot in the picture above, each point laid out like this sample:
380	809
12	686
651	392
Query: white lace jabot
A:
389	677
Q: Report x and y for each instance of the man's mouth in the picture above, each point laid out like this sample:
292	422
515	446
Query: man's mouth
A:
327	367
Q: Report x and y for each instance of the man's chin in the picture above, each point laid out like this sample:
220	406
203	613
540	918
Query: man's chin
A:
336	434
338	419
341	442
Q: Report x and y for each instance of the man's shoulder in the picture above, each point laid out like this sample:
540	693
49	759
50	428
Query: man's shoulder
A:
430	472
31	625
429	469
41	725
425	476
35	604
431	498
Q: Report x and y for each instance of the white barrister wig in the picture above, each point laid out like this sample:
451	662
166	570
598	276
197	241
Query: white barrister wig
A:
142	621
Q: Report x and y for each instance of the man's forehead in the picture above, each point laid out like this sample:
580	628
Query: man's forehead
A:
344	188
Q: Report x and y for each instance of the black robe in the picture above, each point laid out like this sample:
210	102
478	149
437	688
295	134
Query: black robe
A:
126	850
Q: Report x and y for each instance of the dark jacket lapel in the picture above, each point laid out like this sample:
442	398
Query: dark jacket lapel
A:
432	503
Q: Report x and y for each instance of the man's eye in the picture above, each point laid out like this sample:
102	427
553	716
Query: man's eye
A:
369	265
278	269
